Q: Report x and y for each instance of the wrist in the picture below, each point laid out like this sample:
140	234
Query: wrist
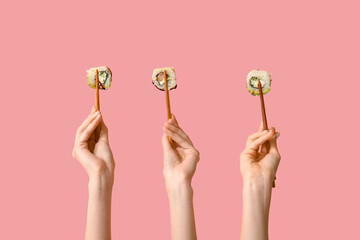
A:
179	191
101	174
101	183
174	183
258	179
258	189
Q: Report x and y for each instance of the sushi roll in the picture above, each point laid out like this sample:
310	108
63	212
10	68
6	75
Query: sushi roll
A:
105	77
253	79
158	78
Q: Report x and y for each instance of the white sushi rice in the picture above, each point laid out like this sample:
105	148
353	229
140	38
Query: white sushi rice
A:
171	78
265	80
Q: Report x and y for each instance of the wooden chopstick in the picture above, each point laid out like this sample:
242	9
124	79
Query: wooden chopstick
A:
264	119
97	105
97	100
167	103
265	125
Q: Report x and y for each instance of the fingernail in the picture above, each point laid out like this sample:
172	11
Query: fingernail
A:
277	135
266	130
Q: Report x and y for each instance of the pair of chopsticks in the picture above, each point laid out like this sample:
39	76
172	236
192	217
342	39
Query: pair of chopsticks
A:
263	113
168	110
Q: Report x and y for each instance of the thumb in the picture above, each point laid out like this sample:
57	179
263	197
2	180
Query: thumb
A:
104	132
273	143
169	160
165	143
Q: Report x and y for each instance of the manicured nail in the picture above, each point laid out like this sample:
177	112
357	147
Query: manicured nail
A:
277	135
265	130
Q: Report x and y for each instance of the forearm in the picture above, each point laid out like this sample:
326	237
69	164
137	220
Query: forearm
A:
98	225
256	206
182	213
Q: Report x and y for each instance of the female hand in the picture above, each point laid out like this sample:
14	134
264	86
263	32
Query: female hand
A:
263	164
92	148
180	160
180	163
258	164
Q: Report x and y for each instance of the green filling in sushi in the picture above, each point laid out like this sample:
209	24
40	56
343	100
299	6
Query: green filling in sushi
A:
105	77
253	79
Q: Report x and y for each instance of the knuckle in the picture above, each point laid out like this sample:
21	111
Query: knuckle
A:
197	154
276	155
74	150
113	165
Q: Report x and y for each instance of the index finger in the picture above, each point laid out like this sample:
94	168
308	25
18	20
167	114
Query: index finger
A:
87	121
175	134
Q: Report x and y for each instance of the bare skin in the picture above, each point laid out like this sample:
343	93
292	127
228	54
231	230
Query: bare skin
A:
258	168
98	162
258	165
179	167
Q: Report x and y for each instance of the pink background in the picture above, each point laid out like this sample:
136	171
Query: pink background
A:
310	47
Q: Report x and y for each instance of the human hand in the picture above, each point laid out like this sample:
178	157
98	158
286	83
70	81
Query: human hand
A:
94	152
180	160
263	164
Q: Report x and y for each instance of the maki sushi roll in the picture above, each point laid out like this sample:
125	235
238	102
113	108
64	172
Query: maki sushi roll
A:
253	79
158	78
105	77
